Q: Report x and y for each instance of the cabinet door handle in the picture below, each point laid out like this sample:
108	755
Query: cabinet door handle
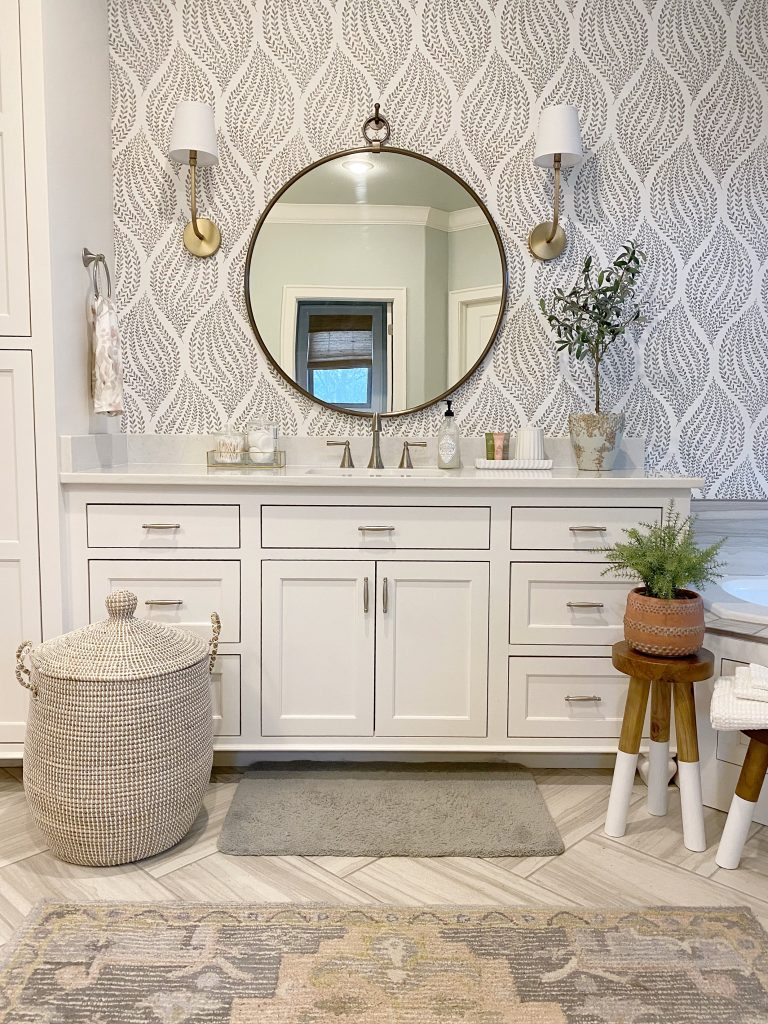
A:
164	602
161	526
588	529
365	594
385	595
585	604
376	529
580	698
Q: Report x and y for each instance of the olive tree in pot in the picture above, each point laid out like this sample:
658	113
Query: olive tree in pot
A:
663	617
587	320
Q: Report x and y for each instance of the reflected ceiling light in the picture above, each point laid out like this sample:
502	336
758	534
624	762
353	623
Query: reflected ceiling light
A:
357	165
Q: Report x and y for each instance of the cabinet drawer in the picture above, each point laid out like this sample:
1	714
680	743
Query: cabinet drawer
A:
574	529
372	527
539	689
565	603
225	683
186	592
163	526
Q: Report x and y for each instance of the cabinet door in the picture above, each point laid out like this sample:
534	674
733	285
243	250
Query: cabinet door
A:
14	279
317	632
432	649
19	564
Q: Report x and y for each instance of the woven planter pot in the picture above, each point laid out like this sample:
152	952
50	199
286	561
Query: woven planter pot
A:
119	744
670	629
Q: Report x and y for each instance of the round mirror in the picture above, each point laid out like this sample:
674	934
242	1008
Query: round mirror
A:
375	281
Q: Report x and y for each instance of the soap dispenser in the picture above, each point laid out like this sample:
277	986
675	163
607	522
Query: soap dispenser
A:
448	453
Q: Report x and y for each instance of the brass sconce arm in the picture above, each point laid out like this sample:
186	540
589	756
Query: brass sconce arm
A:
201	236
193	193
547	240
556	210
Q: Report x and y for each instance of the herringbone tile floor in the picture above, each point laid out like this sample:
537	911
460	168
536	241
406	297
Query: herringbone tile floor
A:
649	866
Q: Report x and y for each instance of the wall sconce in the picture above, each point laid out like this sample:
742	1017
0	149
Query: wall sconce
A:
558	144
193	142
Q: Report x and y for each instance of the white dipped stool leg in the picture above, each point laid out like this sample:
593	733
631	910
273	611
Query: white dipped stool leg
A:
658	754
735	833
621	794
626	758
743	804
688	771
658	777
691	805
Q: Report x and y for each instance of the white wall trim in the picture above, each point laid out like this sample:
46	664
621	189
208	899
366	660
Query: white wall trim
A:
458	301
293	294
363	213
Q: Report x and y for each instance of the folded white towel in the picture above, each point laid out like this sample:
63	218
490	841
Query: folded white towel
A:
751	684
728	712
106	361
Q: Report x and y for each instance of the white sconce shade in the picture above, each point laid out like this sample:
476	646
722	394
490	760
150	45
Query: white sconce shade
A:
558	132
194	128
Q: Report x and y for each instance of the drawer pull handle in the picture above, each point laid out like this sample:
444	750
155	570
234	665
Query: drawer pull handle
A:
385	596
588	529
583	698
163	602
585	604
161	526
365	594
376	529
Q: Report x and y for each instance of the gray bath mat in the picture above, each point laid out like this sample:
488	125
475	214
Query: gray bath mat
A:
317	809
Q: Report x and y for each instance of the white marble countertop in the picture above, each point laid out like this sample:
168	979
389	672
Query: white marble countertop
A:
188	474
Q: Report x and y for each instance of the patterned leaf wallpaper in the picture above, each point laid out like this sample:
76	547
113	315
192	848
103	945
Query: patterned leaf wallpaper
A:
673	96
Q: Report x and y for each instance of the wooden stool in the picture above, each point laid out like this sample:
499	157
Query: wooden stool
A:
746	796
666	676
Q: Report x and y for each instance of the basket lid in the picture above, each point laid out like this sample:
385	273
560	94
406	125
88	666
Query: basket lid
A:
119	648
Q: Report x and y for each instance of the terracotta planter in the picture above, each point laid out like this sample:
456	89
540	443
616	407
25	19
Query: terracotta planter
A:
670	629
595	437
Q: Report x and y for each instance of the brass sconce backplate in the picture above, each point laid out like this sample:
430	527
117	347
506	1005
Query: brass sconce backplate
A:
206	245
545	245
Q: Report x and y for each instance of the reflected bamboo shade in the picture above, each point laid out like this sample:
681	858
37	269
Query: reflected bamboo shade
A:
338	340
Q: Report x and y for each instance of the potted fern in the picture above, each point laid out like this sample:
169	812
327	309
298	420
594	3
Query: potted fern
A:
587	320
663	616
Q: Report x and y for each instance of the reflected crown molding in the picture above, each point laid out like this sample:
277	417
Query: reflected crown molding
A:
388	215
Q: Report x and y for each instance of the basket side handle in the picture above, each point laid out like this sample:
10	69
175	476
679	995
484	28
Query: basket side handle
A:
213	646
23	674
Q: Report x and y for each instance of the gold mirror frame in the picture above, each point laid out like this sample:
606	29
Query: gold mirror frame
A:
379	147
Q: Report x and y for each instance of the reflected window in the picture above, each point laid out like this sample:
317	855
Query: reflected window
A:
341	353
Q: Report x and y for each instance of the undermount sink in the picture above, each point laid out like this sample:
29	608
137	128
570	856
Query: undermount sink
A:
365	472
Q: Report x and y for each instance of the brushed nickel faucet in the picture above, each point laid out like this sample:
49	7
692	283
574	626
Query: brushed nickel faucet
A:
375	461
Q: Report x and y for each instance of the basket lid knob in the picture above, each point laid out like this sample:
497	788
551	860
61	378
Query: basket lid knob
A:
121	604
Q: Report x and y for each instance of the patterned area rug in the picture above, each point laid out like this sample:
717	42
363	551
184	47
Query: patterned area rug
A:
104	963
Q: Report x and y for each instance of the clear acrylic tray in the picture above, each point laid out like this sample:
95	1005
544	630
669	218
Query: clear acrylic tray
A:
246	462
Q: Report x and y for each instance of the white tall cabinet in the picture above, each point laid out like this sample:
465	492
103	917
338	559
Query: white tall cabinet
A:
55	197
19	567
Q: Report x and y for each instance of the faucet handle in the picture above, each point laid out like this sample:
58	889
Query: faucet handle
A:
405	458
346	457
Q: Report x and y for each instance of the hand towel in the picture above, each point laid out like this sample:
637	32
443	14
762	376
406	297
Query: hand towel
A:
751	682
106	362
729	713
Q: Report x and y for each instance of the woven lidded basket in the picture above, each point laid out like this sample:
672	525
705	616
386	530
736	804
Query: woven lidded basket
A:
119	743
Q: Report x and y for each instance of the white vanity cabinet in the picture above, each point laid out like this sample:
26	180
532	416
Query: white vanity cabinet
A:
374	648
432	648
317	653
372	612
